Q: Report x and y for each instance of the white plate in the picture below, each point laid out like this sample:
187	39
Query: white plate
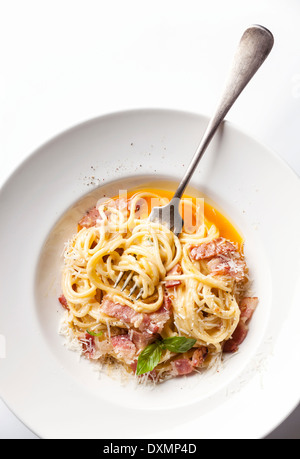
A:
45	384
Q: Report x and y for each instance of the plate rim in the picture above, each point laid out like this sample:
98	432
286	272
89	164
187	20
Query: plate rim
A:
153	110
114	113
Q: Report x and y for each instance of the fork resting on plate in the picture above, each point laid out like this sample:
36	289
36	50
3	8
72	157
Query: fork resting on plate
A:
255	45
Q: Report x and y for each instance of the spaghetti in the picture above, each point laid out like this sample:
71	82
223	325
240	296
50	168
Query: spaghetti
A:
191	305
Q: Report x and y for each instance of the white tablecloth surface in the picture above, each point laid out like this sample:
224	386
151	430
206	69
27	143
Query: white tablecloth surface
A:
65	61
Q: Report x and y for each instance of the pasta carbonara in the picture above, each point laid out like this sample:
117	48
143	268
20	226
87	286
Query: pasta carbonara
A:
159	305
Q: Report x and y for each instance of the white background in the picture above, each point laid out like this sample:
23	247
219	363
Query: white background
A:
65	61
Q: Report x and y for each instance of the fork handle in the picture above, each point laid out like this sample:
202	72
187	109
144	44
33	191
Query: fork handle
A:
255	45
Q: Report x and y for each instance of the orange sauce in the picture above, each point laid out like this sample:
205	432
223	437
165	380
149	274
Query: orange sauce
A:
211	214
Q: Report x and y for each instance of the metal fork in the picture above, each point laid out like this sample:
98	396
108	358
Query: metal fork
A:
254	47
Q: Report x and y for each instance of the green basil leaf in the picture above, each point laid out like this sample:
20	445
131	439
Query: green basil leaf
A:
94	334
178	344
149	358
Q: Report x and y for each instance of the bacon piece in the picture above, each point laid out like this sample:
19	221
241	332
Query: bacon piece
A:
133	365
93	348
63	302
228	266
185	366
224	246
175	271
237	338
122	204
88	346
159	318
200	252
141	339
172	283
121	312
222	258
211	249
182	367
124	347
90	218
151	323
199	356
247	307
167	302
126	314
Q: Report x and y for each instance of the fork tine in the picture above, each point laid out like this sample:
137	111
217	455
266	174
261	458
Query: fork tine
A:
128	279
139	294
133	289
119	278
